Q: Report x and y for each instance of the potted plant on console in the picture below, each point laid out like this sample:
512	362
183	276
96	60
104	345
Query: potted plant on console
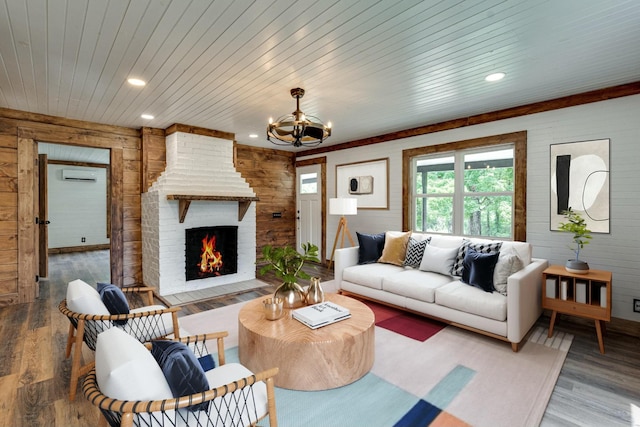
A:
581	236
286	263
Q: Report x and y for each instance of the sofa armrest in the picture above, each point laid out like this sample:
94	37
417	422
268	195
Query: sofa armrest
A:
524	299
344	257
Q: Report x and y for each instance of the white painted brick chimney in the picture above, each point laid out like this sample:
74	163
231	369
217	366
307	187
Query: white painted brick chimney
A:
203	166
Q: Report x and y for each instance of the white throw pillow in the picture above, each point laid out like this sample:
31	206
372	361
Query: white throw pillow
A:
508	263
126	370
438	260
83	298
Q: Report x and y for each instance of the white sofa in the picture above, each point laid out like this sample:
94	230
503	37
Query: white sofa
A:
444	297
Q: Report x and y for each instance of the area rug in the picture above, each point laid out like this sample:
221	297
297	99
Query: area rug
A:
455	378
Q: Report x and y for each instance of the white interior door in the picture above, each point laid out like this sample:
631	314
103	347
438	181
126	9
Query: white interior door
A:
309	206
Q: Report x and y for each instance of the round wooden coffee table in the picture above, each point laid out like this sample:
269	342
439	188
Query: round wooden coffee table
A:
309	359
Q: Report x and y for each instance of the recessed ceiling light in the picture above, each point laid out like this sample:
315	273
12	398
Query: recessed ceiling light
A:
136	82
495	77
253	135
147	116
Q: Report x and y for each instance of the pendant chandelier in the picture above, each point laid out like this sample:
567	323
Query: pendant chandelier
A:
296	128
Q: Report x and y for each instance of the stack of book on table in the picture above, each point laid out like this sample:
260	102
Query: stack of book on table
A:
322	314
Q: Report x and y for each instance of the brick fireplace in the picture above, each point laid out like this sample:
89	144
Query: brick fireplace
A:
199	189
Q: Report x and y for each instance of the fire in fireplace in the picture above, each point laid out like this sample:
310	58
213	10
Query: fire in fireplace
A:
211	251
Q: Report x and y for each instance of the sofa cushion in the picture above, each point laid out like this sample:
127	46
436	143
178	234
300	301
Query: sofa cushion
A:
483	247
469	299
415	250
370	275
438	260
83	298
478	268
415	284
508	263
181	369
370	247
126	370
395	248
114	299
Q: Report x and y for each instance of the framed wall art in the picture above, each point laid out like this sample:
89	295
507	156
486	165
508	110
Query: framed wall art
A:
580	180
366	181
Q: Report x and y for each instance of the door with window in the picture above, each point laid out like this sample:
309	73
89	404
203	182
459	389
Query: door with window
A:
309	206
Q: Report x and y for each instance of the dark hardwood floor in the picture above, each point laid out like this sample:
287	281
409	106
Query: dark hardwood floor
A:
593	389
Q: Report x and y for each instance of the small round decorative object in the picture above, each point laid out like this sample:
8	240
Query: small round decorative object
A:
292	295
273	308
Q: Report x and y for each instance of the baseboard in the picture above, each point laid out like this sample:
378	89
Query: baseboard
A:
86	248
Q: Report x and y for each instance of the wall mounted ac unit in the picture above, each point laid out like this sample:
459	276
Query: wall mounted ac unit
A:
79	175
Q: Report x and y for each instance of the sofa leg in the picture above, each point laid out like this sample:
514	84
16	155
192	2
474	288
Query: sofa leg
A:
514	347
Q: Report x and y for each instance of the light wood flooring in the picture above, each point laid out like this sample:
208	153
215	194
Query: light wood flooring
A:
593	389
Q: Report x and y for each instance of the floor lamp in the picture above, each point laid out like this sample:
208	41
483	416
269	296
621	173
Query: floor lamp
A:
342	207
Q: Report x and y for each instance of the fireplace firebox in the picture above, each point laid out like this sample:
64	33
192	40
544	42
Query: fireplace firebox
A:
211	251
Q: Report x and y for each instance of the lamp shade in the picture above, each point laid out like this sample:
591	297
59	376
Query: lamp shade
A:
343	206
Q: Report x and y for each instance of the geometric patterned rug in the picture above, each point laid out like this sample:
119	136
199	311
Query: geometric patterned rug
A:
454	378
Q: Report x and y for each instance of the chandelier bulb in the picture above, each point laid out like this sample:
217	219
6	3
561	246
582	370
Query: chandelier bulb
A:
270	120
329	125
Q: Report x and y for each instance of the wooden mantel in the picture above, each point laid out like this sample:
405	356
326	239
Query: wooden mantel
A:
185	201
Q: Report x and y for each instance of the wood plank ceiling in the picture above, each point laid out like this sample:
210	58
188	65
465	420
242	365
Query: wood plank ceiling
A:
370	67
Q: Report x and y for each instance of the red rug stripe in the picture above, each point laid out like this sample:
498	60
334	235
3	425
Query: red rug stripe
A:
412	326
403	323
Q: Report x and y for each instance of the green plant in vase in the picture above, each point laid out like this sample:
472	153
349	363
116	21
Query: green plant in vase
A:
577	226
286	263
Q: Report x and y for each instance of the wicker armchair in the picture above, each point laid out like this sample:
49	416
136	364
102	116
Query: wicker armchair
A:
238	403
144	323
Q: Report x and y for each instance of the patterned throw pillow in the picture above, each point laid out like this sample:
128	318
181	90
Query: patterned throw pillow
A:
483	248
114	299
182	370
415	250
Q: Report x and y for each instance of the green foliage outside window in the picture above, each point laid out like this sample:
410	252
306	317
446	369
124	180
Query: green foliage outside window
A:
487	198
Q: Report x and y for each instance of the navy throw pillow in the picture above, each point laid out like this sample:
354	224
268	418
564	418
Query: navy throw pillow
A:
181	369
478	269
371	246
207	362
115	301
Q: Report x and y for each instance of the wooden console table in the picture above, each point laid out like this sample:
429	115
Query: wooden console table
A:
584	295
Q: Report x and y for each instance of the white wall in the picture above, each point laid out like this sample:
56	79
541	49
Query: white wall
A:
77	209
617	119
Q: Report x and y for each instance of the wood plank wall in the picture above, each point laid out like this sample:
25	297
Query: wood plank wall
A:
272	175
8	217
19	127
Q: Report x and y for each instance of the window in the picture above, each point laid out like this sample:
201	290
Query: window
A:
470	188
308	183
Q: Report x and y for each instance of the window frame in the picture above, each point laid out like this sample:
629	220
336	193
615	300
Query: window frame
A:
519	141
